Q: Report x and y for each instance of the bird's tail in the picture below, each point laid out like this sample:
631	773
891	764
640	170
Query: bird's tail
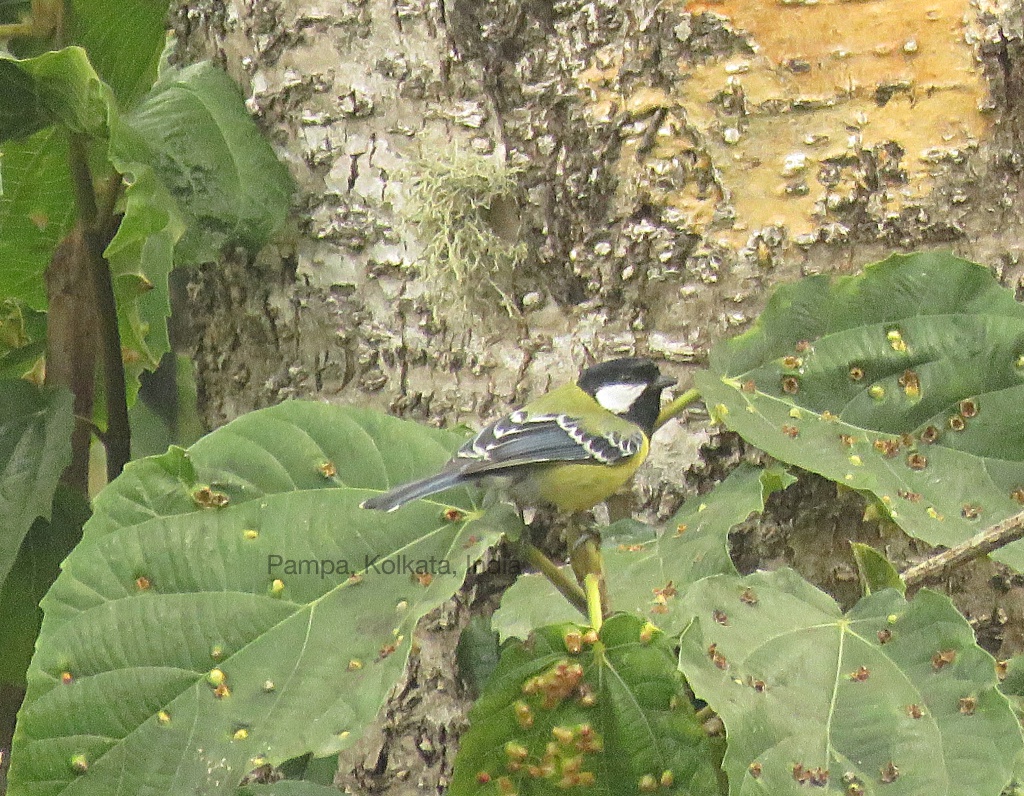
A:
400	495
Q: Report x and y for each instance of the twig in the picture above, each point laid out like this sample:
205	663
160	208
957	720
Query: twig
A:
72	344
97	230
571	591
999	535
676	407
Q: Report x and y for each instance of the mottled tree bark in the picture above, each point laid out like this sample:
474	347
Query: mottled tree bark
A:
673	162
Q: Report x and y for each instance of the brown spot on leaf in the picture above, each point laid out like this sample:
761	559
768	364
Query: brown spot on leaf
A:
911	384
887	447
667	591
942	659
861	674
207	498
970	511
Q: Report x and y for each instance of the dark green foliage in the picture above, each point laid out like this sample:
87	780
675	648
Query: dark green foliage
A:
174	628
905	382
563	714
893	693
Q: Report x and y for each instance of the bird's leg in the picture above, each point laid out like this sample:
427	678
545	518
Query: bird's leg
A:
584	543
531	549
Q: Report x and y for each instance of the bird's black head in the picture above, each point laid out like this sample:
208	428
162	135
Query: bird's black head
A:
629	387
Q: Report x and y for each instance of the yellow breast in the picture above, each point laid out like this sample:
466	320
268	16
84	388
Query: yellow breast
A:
577	487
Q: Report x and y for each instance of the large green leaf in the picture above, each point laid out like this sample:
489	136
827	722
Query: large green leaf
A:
58	87
49	95
1013	681
206	149
875	570
647	568
892	698
200	177
906	382
561	714
35	211
47	543
646	577
35	447
180	649
124	39
22	338
477	654
1012	686
141	258
191	135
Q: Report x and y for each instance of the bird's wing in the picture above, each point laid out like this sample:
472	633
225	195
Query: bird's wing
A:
523	438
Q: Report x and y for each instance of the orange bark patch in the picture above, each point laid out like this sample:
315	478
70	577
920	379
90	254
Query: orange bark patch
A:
829	80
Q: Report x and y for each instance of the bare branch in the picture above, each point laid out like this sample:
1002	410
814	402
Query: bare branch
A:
999	535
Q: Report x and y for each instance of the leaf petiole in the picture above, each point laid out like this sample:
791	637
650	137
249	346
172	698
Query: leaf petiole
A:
676	407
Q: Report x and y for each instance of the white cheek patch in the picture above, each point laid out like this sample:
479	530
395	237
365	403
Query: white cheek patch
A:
619	398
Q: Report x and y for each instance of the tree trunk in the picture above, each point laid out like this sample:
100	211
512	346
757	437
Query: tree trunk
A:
670	164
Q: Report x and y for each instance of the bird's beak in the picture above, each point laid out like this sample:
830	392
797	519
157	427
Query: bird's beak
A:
665	381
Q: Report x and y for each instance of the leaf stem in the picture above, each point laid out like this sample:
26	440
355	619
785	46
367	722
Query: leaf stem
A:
566	587
584	543
98	228
999	535
81	176
676	407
